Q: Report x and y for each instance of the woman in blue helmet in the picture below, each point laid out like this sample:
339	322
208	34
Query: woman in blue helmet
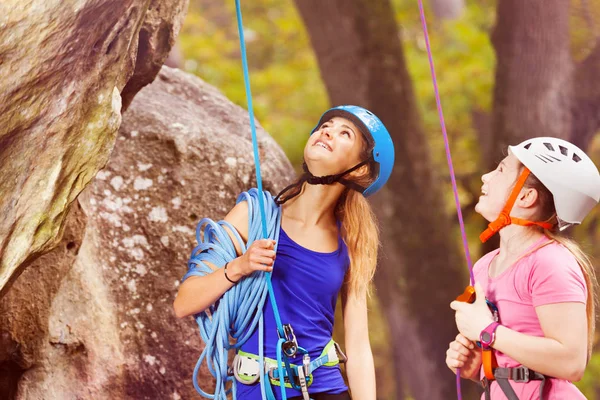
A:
328	243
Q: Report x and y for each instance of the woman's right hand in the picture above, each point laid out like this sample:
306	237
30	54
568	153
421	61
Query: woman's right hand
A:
464	354
260	256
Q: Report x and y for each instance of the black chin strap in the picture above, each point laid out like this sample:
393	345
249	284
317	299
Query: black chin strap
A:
322	180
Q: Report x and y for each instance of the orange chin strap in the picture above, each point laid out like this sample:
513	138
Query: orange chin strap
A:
504	219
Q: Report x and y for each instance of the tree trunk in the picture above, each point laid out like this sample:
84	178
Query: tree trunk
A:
586	103
361	60
533	90
539	89
447	9
534	75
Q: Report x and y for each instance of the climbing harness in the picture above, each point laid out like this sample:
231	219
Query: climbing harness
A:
519	375
246	366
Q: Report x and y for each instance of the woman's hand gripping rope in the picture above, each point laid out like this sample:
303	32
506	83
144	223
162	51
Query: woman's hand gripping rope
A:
464	354
260	256
472	318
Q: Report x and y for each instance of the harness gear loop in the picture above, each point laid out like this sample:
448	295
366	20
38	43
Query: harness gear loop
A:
504	219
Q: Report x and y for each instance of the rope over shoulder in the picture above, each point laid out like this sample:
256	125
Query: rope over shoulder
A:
240	309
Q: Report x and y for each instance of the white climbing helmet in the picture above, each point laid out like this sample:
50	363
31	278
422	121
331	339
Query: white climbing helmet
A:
568	173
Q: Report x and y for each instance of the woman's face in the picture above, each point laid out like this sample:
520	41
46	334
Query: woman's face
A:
334	147
497	186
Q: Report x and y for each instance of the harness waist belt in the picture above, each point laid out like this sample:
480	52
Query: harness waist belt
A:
246	366
519	375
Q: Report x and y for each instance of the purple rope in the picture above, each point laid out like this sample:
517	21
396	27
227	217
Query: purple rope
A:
450	166
447	145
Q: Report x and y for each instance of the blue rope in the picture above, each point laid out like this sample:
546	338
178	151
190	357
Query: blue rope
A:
255	148
281	360
239	311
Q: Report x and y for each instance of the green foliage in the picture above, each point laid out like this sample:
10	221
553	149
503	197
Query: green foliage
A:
464	62
589	384
288	94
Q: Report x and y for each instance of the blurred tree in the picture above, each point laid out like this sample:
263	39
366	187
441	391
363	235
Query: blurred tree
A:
541	89
447	9
360	56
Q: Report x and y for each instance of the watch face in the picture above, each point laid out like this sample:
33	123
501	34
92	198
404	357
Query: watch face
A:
486	337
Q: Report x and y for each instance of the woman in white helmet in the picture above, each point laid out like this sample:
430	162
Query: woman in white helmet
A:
533	336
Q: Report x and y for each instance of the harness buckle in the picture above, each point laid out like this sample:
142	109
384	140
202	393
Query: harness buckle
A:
294	379
485	383
270	370
520	375
306	364
341	356
290	346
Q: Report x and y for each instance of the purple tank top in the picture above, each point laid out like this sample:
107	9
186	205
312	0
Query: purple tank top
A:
306	284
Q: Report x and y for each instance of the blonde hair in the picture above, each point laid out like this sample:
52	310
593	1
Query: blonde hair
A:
361	235
547	213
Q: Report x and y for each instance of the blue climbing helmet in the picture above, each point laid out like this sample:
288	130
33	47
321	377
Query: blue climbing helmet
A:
376	135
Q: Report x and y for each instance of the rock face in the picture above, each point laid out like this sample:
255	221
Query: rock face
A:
106	324
156	39
63	66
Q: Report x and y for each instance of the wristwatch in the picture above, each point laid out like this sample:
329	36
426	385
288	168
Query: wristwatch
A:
488	335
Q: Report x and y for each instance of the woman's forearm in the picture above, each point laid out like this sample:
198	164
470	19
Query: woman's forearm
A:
360	370
544	355
197	293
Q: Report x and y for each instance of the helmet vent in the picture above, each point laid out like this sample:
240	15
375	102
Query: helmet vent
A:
527	146
576	158
549	146
563	150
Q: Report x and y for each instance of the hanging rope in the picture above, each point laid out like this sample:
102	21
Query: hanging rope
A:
450	166
282	359
259	178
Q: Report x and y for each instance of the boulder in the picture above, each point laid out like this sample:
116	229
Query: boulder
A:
184	152
63	66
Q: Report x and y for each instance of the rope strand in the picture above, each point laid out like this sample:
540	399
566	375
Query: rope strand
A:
450	166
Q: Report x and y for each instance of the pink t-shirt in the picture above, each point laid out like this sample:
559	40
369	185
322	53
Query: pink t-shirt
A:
547	275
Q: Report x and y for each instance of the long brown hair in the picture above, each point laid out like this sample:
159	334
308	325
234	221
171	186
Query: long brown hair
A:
547	213
359	224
